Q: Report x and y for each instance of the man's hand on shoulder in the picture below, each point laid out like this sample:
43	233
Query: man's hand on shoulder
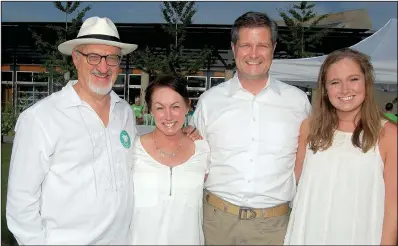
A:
192	133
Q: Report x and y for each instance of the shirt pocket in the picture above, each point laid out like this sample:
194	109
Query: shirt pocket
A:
277	136
145	189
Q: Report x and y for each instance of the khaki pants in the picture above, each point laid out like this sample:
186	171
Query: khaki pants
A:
221	228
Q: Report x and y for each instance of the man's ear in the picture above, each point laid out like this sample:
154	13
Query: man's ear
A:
75	58
233	48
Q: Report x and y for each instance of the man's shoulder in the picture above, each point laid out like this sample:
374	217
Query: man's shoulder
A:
42	110
290	91
125	104
45	105
217	91
123	108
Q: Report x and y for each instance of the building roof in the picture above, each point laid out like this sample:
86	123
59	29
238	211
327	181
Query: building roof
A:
17	41
353	19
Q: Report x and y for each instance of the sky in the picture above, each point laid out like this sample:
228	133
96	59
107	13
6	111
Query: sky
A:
207	12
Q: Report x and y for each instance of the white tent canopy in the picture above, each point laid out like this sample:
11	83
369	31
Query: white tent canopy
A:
381	47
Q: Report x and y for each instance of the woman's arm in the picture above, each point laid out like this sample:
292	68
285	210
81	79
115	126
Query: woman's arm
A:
388	145
302	147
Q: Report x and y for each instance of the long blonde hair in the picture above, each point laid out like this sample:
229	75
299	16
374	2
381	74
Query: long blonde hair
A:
324	120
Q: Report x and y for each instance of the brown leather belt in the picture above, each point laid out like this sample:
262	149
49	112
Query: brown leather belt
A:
245	213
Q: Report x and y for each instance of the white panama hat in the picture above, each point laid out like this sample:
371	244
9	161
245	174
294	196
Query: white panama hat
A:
96	30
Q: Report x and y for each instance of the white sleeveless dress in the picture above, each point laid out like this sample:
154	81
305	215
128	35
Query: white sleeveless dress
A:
340	197
168	202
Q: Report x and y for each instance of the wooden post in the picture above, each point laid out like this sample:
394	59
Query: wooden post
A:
313	95
144	85
229	74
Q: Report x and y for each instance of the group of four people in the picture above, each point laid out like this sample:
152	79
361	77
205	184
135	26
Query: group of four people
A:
79	173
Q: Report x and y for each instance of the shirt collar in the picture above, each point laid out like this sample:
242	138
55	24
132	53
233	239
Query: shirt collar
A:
235	85
70	98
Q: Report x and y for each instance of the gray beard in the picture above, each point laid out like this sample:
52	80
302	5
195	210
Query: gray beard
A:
100	90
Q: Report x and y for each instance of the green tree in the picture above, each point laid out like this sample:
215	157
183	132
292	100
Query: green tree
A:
9	114
301	21
55	63
174	59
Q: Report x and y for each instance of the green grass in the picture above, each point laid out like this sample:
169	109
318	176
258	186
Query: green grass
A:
6	235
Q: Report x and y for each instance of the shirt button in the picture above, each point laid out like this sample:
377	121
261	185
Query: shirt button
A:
253	139
249	181
251	160
254	119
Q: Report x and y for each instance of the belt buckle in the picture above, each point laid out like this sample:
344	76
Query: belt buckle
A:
243	211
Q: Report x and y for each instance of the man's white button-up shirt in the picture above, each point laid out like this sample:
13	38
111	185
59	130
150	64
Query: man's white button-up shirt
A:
70	179
253	141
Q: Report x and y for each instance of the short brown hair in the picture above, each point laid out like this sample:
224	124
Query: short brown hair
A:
177	84
252	20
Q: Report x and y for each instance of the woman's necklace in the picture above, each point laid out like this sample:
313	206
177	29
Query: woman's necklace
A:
164	153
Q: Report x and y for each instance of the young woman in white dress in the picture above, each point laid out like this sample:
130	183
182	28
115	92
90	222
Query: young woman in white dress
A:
168	172
347	160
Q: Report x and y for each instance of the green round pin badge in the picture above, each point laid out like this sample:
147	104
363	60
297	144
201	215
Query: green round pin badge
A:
125	139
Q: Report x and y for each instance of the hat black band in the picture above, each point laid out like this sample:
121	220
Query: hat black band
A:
100	36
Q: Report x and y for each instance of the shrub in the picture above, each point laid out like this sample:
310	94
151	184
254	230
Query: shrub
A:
8	120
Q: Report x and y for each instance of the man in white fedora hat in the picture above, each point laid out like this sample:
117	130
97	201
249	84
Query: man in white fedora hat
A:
69	180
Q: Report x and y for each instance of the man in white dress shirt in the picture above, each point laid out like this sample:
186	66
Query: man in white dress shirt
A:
252	125
69	180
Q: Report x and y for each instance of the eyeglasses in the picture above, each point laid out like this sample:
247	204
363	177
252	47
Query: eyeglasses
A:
95	59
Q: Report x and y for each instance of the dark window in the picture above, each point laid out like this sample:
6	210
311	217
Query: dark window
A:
23	89
134	79
6	76
133	92
194	94
119	91
32	93
27	95
216	81
40	77
120	79
41	88
24	76
197	82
